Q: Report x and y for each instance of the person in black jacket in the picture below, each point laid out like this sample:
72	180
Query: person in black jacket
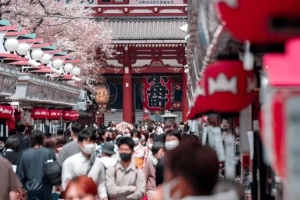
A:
23	139
31	168
11	150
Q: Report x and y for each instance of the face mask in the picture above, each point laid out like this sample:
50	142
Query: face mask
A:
136	141
89	148
125	156
108	139
168	187
171	144
150	145
127	135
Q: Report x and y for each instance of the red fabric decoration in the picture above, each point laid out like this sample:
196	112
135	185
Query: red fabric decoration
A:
11	123
226	88
157	91
252	18
55	114
6	112
70	115
39	113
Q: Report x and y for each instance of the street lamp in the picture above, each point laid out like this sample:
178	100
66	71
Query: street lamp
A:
68	68
57	63
46	58
37	54
23	49
11	44
76	71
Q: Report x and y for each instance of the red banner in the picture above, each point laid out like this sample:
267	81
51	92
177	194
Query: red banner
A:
39	113
157	93
70	115
6	112
55	114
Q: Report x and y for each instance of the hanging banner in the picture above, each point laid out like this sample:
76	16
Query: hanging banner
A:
39	113
215	141
157	92
6	112
55	114
70	115
230	157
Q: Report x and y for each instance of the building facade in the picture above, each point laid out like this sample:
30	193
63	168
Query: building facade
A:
148	42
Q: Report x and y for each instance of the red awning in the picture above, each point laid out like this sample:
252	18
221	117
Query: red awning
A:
39	113
70	115
55	114
6	112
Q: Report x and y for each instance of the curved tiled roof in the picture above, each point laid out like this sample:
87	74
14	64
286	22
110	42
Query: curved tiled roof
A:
145	29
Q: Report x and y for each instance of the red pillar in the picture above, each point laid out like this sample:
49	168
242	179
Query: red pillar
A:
185	107
127	88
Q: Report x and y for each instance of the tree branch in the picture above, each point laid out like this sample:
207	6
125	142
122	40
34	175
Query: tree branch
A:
38	24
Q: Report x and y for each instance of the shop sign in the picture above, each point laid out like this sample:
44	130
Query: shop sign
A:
6	112
55	114
70	115
156	2
157	91
39	114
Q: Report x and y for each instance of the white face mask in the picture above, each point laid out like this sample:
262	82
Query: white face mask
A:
127	135
168	187
136	141
89	148
171	144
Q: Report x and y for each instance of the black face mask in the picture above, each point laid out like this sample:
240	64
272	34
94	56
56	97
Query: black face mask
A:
125	156
108	139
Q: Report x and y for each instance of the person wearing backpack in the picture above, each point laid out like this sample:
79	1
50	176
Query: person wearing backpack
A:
31	168
100	166
125	180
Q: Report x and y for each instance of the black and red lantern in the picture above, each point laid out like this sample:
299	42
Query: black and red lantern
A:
157	93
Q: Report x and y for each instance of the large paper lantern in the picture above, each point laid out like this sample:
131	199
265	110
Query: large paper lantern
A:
226	88
157	93
259	21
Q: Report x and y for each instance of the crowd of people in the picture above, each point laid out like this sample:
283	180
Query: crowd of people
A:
160	161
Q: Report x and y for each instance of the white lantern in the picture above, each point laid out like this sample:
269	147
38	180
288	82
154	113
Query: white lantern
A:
11	44
76	71
37	54
23	49
46	58
57	63
68	68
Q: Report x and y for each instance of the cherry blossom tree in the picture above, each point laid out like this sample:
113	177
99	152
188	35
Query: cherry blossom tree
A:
69	25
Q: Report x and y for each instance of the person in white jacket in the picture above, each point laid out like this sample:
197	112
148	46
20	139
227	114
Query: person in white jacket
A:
98	171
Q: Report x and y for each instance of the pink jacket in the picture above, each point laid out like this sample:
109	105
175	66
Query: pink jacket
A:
149	171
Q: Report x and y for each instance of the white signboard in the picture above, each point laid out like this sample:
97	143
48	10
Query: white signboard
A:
156	2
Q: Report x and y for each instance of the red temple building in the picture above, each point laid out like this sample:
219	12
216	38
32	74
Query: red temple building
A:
148	43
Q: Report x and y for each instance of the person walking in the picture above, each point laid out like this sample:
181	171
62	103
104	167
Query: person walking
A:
140	153
11	187
11	151
98	171
31	168
125	180
70	148
23	139
150	171
80	163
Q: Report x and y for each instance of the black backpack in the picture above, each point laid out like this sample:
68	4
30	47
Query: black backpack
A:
52	170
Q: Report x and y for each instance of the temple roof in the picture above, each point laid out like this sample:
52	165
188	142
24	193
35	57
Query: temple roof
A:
145	29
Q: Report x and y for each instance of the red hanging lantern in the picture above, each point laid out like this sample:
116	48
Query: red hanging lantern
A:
157	93
255	19
226	81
